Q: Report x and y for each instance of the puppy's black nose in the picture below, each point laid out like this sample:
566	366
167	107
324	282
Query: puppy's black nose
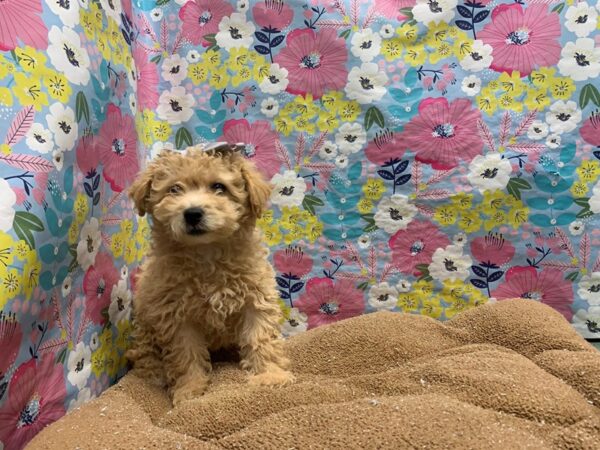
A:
193	216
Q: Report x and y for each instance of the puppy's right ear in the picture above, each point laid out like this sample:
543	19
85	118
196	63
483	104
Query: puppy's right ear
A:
139	191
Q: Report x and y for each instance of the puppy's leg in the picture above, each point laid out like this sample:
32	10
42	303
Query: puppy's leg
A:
261	352
145	357
187	364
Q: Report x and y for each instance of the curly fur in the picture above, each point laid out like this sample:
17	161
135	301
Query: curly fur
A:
204	291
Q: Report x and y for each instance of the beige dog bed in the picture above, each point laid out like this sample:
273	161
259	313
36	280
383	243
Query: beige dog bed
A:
506	376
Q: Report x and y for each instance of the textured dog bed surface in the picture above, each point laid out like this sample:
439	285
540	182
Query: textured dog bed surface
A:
510	375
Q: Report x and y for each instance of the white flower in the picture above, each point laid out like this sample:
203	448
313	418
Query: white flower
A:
62	123
383	296
450	264
328	150
67	55
174	69
94	341
269	107
159	147
295	324
489	172
58	159
112	8
40	138
288	189
66	286
563	116
79	365
434	11
580	60
175	106
156	14
89	243
68	11
403	286
193	56
341	161
366	44
133	103
120	303
242	6
589	288
537	130
581	19
235	32
366	84
595	199
124	272
83	396
386	31
553	141
394	213
587	322
460	239
364	241
276	81
480	57
84	3
7	201
350	138
576	228
471	85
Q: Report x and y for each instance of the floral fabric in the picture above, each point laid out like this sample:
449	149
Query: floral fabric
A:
427	157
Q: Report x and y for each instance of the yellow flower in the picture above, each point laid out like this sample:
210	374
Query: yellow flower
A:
6	97
486	101
126	227
103	47
305	106
21	249
436	33
441	51
31	274
507	101
493	201
6	249
73	233
588	171
161	130
271	234
284	125
517	217
469	221
374	188
314	231
457	306
349	111
130	253
495	220
332	101
31	60
143	232
327	122
117	244
295	234
537	98
243	75
81	207
431	307
211	58
562	88
462	47
86	20
123	338
219	78
446	215
579	189
423	288
198	73
98	361
364	206
10	284
113	33
5	149
391	49
462	201
238	58
290	217
260	70
118	55
407	33
452	290
7	67
303	125
29	91
543	78
512	84
416	55
408	301
58	86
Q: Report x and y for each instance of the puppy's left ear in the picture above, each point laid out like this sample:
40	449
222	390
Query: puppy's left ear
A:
259	190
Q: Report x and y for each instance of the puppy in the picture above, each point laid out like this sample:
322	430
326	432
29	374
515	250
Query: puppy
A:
206	283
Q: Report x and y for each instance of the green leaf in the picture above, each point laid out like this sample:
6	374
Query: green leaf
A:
156	59
82	109
374	116
584	202
407	12
210	38
24	224
344	34
584	213
309	203
558	8
162	2
424	270
363	286
60	359
589	92
572	276
182	136
370	219
515	185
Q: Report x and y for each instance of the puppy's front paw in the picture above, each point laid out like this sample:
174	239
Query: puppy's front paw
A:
190	390
272	378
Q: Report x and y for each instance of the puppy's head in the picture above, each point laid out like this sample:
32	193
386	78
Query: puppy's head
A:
201	197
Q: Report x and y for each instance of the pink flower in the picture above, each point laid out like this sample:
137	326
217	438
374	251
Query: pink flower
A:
20	20
522	39
590	131
391	8
325	302
98	282
315	60
117	146
548	286
415	245
442	134
37	394
260	141
428	82
87	154
147	80
292	260
202	17
272	14
492	249
10	342
385	147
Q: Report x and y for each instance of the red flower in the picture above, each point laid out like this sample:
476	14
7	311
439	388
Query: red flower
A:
260	141
315	61
202	17
37	395
98	282
117	145
492	249
325	302
88	156
590	131
415	245
272	14
384	148
443	134
20	20
147	80
548	286
10	342
292	260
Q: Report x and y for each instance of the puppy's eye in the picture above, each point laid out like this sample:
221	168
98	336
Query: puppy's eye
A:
219	188
175	189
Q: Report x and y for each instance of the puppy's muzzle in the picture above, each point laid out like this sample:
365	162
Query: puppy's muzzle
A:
194	218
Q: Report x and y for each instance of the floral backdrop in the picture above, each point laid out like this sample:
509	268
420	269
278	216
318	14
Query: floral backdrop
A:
427	156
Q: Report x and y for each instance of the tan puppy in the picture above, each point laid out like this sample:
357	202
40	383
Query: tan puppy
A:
207	283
